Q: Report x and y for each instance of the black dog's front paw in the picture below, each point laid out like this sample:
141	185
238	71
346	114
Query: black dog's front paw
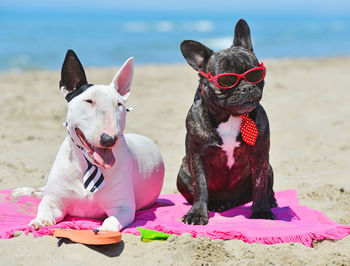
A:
272	202
196	215
261	210
268	215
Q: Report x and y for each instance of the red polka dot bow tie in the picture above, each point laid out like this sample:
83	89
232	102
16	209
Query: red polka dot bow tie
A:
249	130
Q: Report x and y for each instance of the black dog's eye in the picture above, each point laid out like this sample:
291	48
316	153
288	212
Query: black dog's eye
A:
89	101
227	81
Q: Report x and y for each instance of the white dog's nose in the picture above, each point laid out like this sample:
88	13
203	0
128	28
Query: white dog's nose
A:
107	141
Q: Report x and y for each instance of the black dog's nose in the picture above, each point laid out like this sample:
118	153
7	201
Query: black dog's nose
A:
107	141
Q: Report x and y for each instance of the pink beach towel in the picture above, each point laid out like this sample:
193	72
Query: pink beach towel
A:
294	223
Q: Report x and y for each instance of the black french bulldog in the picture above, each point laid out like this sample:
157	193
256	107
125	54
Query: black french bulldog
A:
220	170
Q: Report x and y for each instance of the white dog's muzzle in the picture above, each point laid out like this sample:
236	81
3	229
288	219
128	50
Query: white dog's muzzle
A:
93	178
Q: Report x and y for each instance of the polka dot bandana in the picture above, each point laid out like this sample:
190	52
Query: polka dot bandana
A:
249	130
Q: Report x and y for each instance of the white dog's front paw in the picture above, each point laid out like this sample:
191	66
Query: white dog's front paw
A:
26	191
111	224
22	191
37	223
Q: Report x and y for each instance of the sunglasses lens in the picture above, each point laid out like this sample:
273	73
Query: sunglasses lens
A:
227	81
255	76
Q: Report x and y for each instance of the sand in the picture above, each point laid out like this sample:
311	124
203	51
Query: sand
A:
307	101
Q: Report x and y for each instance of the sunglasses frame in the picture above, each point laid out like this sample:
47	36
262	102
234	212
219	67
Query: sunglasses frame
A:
214	79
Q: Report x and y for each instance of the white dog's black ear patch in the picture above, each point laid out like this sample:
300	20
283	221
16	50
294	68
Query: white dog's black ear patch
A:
73	78
78	91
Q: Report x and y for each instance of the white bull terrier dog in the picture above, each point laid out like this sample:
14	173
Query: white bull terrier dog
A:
99	172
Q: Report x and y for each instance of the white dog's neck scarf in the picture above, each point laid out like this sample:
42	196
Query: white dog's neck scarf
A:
93	178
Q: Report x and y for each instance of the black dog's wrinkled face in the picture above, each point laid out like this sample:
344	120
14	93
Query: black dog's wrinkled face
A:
239	58
243	97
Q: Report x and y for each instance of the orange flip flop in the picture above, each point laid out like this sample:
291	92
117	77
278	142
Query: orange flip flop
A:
90	237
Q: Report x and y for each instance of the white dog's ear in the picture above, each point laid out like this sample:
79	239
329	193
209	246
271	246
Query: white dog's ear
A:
122	81
73	80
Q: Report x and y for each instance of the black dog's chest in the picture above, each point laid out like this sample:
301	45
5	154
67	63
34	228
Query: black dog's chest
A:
226	168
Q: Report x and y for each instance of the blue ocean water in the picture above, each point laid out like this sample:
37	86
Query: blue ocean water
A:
39	39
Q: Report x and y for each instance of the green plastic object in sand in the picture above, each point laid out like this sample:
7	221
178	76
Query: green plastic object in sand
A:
148	235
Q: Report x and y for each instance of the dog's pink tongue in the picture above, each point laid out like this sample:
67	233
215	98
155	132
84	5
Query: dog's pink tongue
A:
104	157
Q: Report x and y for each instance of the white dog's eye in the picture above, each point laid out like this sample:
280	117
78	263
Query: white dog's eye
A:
120	104
89	101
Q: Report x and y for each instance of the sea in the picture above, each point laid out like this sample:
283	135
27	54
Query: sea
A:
39	39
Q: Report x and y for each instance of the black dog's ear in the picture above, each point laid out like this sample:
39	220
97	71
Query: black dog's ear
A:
72	73
242	35
196	54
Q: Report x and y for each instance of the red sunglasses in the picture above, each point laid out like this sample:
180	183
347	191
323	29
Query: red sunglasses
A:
229	80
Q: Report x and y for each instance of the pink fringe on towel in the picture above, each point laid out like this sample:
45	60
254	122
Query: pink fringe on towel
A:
294	223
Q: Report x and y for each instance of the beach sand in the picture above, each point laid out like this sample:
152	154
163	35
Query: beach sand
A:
307	101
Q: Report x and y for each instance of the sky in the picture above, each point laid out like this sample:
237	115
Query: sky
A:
321	7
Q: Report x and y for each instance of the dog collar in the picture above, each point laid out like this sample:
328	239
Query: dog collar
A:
130	108
93	178
201	88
